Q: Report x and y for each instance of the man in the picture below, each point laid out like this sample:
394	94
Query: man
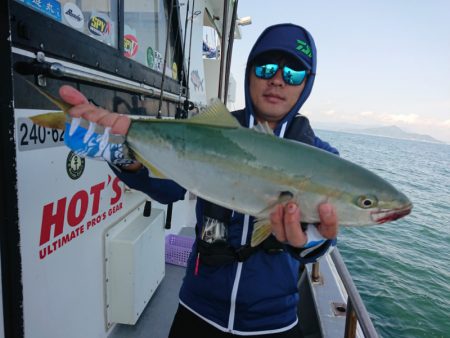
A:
230	288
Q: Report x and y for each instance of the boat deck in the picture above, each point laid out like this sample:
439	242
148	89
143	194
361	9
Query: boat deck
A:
156	319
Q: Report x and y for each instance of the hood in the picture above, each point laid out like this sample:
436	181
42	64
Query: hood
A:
291	39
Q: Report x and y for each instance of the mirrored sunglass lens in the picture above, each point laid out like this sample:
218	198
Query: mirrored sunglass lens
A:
293	77
266	71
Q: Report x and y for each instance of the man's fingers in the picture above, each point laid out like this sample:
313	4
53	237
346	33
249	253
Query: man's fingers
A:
292	228
71	95
276	218
121	125
85	110
109	120
286	223
328	226
97	115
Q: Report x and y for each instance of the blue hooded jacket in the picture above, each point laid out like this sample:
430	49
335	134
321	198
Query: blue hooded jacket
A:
258	295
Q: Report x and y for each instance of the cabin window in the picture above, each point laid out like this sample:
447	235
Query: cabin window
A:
95	18
145	35
144	30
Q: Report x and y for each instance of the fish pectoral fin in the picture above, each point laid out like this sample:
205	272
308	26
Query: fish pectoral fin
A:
261	230
155	172
262	227
216	114
55	120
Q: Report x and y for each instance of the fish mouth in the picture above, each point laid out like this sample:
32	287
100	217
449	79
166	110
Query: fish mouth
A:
383	216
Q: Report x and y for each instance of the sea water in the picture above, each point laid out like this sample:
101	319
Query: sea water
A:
402	268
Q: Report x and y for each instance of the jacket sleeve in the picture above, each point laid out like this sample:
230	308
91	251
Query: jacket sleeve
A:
324	145
311	255
161	190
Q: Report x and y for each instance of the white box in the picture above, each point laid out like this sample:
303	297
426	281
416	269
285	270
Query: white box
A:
135	265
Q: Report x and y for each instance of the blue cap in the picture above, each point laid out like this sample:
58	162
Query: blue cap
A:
287	38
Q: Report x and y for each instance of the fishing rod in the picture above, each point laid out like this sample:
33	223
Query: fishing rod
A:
181	113
222	51
168	224
169	21
188	104
183	49
230	51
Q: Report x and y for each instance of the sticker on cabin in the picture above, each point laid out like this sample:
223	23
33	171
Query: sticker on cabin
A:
30	136
100	27
157	61
174	71
168	72
130	45
71	217
73	16
150	57
75	165
51	8
196	81
130	42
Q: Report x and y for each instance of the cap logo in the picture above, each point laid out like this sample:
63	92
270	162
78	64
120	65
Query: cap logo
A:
303	47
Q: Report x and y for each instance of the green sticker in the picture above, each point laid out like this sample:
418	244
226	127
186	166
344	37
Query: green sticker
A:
303	47
150	57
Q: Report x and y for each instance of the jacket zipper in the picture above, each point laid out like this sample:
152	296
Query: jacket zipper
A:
237	278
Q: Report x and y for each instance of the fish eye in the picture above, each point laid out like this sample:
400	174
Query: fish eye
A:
366	202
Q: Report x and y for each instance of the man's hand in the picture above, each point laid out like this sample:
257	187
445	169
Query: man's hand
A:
286	227
119	124
86	141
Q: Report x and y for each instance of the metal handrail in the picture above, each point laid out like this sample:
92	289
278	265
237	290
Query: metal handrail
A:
355	305
58	70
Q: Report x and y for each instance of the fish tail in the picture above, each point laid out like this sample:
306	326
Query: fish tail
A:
50	120
64	106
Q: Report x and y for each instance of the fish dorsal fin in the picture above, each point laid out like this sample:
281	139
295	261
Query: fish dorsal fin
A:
216	114
263	128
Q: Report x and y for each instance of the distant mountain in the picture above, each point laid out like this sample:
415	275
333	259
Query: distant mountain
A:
395	132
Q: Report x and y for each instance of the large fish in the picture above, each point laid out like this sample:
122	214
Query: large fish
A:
250	171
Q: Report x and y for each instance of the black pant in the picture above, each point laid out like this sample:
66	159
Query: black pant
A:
186	325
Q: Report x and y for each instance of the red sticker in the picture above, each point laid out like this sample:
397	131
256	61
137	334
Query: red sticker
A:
130	45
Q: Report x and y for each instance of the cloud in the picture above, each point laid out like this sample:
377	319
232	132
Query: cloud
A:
422	124
405	118
366	113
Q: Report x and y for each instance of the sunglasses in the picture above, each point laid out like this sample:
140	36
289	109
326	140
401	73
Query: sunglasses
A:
290	76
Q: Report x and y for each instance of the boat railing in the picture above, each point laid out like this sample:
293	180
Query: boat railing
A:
356	311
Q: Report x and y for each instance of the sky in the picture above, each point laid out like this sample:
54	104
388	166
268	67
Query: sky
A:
380	63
